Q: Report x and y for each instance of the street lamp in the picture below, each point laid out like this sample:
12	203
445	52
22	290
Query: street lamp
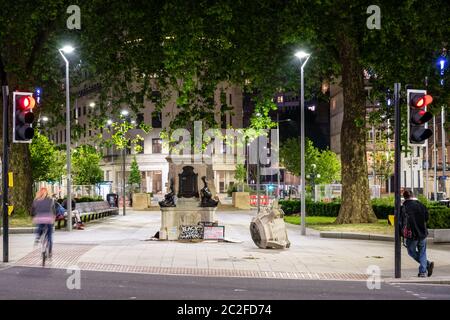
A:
258	172
68	49
278	146
304	57
125	114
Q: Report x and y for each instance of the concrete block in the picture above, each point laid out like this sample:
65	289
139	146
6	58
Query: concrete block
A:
241	200
441	235
141	201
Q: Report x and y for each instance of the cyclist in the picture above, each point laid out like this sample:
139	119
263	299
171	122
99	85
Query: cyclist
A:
43	212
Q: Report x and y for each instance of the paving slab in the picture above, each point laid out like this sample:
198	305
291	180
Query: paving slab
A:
121	241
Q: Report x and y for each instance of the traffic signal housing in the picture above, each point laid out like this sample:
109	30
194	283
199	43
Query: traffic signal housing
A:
23	117
418	116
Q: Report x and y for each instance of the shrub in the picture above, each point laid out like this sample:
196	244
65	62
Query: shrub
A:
88	199
234	188
439	218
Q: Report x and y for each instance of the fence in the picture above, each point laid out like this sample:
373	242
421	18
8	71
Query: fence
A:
78	191
328	192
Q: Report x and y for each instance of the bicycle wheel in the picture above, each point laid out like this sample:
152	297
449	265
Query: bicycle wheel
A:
45	244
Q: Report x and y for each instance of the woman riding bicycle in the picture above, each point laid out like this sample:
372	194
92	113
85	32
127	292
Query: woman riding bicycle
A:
43	212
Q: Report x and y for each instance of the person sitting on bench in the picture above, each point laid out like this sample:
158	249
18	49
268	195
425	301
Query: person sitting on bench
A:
78	223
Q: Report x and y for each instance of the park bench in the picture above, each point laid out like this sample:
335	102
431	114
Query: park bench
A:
91	211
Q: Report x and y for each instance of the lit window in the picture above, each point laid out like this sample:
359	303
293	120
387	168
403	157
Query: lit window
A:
280	99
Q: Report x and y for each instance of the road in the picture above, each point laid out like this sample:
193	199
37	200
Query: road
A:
46	283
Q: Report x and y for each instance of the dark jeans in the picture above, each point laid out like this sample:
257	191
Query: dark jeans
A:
417	249
40	230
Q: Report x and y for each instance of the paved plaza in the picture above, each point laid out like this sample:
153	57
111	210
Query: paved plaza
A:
123	244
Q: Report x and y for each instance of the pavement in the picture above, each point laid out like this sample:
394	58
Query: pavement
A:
122	244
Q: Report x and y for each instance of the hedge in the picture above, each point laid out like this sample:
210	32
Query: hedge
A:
439	215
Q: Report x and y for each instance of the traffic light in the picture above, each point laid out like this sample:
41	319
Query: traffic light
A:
23	116
418	116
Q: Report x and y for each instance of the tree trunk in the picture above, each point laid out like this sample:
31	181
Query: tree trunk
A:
356	206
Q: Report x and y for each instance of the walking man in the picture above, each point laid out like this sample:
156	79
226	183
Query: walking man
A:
415	217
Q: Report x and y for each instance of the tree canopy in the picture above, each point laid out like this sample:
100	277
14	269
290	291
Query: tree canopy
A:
86	165
47	162
327	163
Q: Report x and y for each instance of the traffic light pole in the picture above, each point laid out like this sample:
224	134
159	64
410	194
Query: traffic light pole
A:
397	173
5	94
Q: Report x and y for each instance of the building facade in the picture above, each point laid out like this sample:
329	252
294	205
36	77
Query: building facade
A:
151	159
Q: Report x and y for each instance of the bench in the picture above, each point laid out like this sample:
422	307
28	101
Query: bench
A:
91	211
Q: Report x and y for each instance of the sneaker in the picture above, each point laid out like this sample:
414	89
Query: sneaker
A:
430	268
422	275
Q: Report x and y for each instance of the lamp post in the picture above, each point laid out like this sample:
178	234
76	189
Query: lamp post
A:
68	49
124	113
304	57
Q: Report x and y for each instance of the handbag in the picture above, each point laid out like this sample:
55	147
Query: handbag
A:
406	227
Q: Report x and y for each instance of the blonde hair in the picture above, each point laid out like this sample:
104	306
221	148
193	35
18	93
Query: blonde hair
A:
41	194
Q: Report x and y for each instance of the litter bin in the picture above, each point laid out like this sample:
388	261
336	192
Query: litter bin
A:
113	199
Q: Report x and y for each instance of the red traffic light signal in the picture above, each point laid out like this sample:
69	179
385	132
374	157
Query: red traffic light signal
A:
26	103
418	116
23	117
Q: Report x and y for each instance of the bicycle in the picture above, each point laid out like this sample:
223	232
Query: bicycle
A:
45	244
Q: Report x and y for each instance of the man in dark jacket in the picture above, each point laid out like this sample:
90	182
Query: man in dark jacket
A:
416	215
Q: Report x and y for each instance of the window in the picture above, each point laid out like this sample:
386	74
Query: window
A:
224	120
230	99
280	99
156	119
156	145
84	110
79	112
84	129
140	118
139	98
155	96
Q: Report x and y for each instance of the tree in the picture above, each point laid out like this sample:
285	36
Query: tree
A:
86	166
135	174
327	163
290	155
47	162
329	167
240	174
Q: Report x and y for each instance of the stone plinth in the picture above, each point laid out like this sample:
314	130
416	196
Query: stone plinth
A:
187	212
241	200
178	162
141	201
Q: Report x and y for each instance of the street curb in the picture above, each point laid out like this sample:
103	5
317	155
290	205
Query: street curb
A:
418	281
23	230
360	236
355	236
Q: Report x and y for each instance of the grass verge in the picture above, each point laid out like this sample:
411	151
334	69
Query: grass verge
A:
20	221
327	224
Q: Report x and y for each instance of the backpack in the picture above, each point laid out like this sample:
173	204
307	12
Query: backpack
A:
59	209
